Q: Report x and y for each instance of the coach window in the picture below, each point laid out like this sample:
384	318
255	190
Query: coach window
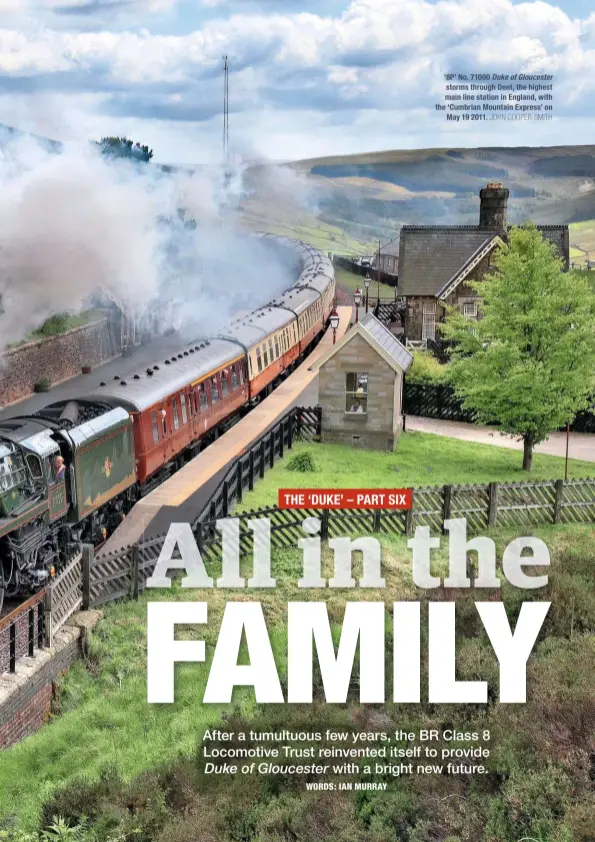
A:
203	398
163	414
184	412
176	417
273	357
241	372
224	384
155	427
258	360
265	354
276	346
234	376
356	393
214	391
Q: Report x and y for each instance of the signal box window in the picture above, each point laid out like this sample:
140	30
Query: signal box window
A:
155	426
184	413
176	417
214	390
470	310
224	384
356	393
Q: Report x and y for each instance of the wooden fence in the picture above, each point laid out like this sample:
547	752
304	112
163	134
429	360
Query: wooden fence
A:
431	400
90	581
522	505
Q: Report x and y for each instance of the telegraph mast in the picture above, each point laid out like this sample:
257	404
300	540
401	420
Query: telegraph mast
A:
225	112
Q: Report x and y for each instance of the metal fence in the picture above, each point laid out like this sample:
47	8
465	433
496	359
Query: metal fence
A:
430	400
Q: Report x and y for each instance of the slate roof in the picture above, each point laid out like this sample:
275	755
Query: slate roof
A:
379	337
371	326
391	248
432	255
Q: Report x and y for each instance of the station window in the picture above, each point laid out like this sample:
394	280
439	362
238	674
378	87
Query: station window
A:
470	310
265	354
224	384
184	412
155	426
176	417
214	391
258	359
356	393
234	376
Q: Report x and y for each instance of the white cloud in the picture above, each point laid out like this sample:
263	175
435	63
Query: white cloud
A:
377	54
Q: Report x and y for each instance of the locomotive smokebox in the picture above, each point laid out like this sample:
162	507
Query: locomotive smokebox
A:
494	202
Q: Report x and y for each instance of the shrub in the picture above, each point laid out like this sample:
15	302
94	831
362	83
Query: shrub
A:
302	462
427	369
43	385
58	323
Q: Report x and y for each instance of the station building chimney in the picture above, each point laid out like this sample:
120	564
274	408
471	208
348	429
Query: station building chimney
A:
492	209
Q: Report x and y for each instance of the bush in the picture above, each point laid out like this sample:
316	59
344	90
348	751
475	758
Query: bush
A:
427	369
43	385
58	323
302	462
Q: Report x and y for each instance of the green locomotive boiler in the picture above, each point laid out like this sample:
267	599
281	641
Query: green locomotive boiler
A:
67	474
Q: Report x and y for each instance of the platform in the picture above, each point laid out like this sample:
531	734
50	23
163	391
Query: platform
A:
181	497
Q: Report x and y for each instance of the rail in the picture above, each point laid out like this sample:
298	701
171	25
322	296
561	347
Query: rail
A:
22	632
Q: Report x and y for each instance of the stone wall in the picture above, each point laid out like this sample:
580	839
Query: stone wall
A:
379	428
57	357
26	695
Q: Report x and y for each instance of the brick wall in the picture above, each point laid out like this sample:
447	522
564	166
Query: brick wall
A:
379	428
26	696
57	357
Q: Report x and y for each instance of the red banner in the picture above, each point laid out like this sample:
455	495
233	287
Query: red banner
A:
345	498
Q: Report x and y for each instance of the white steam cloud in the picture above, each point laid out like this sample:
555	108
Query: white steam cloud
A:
163	245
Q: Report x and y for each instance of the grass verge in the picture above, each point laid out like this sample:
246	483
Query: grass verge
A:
420	459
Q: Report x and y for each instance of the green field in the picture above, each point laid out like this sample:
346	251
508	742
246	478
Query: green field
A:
350	280
419	459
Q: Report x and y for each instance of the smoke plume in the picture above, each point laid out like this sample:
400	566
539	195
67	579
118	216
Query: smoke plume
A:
165	245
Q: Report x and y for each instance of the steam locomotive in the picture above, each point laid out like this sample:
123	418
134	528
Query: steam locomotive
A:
71	472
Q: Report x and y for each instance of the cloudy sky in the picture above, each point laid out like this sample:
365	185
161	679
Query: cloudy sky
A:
307	79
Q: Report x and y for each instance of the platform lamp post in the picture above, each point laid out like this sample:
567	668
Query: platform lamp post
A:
357	297
334	320
367	283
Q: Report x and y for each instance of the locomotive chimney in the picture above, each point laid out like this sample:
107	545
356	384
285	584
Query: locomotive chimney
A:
492	210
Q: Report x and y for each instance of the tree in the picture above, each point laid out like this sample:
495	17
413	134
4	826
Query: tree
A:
529	362
122	147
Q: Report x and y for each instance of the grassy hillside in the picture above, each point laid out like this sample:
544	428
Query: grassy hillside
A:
371	195
133	770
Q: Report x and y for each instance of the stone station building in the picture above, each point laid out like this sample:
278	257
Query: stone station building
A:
360	387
